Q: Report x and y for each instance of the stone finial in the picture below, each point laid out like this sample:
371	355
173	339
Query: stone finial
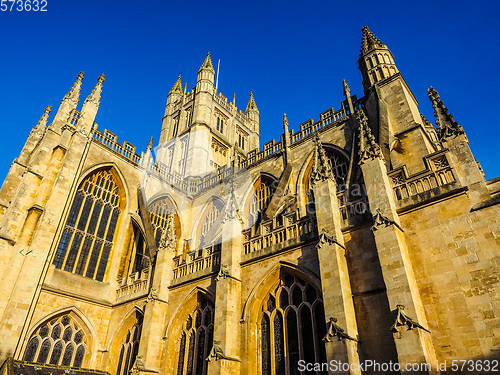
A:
232	210
207	64
334	331
403	320
369	41
40	126
285	124
74	93
346	89
368	148
322	169
95	95
150	144
251	106
177	88
168	237
447	127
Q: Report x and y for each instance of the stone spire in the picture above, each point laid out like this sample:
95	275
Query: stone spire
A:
74	94
150	144
68	104
447	127
95	95
286	139
368	148
40	126
207	64
251	106
322	169
177	88
376	61
347	94
369	41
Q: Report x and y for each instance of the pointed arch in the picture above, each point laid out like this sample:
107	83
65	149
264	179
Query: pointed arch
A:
258	196
125	341
285	303
183	324
206	219
159	206
68	338
339	160
96	212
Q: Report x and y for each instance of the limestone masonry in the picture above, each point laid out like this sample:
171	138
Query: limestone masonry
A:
367	235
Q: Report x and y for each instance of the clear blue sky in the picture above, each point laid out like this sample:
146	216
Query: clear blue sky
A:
293	54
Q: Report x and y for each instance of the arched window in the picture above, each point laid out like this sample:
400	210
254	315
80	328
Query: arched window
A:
88	236
130	347
196	340
159	211
340	167
58	342
211	214
264	189
140	252
293	322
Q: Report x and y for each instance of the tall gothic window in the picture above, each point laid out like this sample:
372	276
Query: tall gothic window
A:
196	340
211	214
159	211
58	342
130	347
140	252
292	325
264	189
88	235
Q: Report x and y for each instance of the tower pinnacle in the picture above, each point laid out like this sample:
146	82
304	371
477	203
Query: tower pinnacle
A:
251	106
74	92
447	127
370	41
207	64
177	88
95	95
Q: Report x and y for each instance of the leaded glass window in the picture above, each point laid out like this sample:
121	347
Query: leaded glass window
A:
264	189
211	214
47	345
130	347
292	325
87	238
159	211
196	340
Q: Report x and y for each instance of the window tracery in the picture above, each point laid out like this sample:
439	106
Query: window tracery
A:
264	189
58	342
196	340
130	347
292	322
212	213
87	238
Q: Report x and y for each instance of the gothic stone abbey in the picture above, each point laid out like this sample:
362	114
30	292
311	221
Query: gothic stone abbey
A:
367	235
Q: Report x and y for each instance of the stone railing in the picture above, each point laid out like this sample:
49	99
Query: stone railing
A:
278	230
196	261
133	285
354	208
438	173
110	140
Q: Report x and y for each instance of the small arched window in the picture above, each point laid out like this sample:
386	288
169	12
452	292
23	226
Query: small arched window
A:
130	347
196	340
292	321
159	211
212	212
263	188
87	238
60	341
